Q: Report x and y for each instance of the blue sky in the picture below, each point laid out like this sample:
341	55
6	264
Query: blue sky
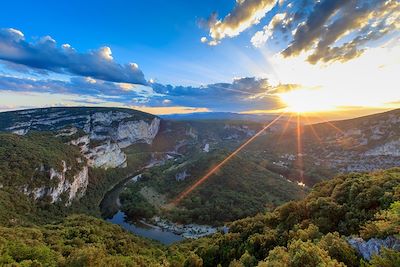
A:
163	37
187	56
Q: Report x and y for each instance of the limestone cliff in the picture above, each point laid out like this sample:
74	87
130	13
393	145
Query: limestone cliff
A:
100	133
60	184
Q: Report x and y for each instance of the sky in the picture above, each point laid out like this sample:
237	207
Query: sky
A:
164	57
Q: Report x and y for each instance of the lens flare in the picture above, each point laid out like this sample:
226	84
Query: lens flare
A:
300	163
222	163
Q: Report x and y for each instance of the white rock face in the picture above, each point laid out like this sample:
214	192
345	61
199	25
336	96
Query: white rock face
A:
106	131
133	131
74	189
115	135
108	155
206	148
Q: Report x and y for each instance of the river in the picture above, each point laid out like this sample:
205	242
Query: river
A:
111	212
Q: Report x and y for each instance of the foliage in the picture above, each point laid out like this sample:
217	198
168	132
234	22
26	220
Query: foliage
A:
288	236
240	189
76	241
388	258
308	232
300	254
385	223
26	160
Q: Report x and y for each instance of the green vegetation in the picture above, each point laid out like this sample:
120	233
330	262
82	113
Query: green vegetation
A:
26	160
239	189
309	232
100	181
76	241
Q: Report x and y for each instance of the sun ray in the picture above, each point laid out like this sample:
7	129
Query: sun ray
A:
313	130
331	124
285	128
219	165
300	163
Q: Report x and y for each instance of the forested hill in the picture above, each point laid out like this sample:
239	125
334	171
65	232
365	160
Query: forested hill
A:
57	165
315	231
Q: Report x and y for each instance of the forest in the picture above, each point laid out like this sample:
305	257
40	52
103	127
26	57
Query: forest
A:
309	232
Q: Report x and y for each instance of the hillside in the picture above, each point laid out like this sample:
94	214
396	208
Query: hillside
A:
311	232
239	189
361	144
100	133
115	143
44	170
38	167
177	153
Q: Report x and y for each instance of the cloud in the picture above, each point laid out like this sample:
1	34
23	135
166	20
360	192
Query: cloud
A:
330	21
24	100
325	30
240	94
245	14
76	85
261	37
44	54
169	110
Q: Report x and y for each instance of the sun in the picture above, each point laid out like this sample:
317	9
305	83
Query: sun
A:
306	101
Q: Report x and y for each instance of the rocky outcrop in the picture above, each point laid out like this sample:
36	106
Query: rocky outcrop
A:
103	132
104	143
72	187
107	155
373	246
388	149
134	131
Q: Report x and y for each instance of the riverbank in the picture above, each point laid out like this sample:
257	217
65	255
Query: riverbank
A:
191	231
155	228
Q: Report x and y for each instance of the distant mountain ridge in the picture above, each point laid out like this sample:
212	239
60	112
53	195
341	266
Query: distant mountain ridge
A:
361	144
220	116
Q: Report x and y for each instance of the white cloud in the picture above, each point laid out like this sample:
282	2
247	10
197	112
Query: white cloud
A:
45	55
245	14
105	52
261	37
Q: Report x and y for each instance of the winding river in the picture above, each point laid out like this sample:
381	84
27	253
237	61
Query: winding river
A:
110	209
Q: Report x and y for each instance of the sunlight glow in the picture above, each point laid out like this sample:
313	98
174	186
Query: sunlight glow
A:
367	82
305	100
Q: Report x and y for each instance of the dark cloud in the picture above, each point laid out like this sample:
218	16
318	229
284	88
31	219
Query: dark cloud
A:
240	95
46	55
76	85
